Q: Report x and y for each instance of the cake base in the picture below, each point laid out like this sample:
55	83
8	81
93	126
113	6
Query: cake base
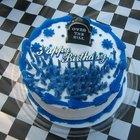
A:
104	117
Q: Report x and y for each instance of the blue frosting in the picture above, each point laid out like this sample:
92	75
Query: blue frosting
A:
112	63
69	79
62	35
53	100
115	85
107	44
36	47
49	22
50	45
47	96
73	102
48	32
36	32
90	119
94	31
67	18
114	54
120	44
26	43
46	24
117	70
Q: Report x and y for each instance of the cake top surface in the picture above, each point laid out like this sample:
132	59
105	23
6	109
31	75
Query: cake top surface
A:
69	60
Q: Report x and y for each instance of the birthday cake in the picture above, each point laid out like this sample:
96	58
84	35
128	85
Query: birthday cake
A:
74	69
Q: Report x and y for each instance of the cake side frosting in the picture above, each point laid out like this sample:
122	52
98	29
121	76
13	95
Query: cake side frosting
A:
72	121
72	76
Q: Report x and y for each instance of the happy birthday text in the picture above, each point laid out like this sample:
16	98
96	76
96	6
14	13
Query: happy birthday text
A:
68	56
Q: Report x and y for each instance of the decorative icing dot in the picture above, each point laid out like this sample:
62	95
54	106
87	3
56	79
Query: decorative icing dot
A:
42	40
108	76
92	40
59	27
100	35
107	44
62	35
50	45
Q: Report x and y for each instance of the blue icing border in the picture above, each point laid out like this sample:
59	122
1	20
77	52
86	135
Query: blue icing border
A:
90	119
72	103
49	22
36	32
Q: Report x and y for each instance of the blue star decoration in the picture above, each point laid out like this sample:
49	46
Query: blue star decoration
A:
78	81
48	32
107	44
36	47
94	31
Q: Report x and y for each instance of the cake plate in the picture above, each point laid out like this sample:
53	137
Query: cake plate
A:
118	111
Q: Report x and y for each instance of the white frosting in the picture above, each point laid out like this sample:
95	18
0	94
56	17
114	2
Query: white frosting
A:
58	41
73	114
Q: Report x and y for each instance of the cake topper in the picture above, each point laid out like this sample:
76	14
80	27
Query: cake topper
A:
79	31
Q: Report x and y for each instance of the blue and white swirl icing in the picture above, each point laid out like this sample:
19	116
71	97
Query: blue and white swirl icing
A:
71	77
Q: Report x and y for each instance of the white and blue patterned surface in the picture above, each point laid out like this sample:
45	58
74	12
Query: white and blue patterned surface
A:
17	20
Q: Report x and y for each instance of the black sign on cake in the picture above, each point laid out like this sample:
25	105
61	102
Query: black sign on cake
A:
79	31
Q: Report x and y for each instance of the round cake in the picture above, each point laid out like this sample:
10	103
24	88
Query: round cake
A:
74	69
